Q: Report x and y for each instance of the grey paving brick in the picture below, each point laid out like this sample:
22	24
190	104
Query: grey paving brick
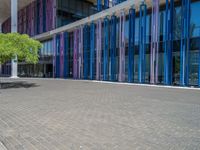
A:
82	115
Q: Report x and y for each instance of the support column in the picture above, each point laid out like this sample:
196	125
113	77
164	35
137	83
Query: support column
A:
99	49
99	5
44	12
106	49
113	49
142	43
80	55
92	49
122	46
106	4
54	20
54	56
168	42
154	42
40	16
0	64
75	55
71	53
115	2
66	55
185	43
86	50
131	45
61	55
14	17
57	67
199	63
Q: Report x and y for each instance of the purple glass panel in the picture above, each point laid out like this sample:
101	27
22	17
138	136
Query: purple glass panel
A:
122	46
41	16
54	55
75	63
61	55
154	42
80	53
98	49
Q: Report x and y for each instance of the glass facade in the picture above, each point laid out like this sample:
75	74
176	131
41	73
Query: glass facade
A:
69	11
107	51
195	44
101	49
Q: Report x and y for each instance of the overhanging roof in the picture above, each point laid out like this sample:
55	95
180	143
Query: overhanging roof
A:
5	8
125	6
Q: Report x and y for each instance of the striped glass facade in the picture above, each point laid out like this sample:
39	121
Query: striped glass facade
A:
149	45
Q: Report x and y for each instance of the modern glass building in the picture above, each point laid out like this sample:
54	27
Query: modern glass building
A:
135	41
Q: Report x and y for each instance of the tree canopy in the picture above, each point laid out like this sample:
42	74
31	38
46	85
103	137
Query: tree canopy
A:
20	45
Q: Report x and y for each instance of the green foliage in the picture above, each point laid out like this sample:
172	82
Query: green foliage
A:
14	44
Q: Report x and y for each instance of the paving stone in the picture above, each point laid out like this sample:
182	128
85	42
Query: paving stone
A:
39	114
2	147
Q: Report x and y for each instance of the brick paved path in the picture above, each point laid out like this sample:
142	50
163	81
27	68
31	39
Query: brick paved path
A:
80	115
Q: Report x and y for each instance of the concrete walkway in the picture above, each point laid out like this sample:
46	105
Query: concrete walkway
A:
2	147
83	115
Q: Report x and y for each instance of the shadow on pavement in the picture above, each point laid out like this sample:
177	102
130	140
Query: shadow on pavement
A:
17	84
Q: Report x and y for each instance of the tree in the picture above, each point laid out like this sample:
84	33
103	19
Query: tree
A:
20	45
